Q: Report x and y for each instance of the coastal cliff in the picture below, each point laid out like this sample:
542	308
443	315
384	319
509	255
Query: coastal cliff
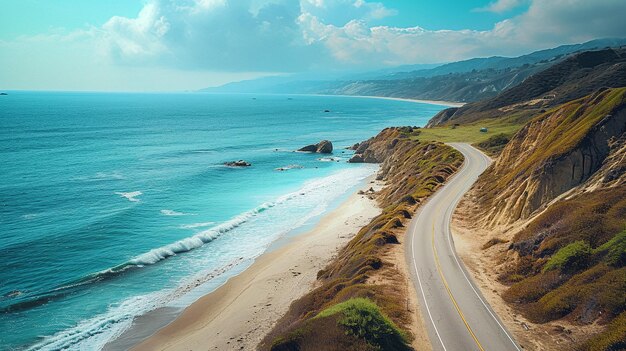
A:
553	153
364	279
548	219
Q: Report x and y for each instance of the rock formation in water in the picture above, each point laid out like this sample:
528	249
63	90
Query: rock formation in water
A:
323	147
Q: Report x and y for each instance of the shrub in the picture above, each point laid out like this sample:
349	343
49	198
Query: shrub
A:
572	257
614	250
363	319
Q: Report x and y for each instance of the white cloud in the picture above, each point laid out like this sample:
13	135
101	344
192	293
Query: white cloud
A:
199	38
340	12
547	23
287	36
214	34
137	38
501	6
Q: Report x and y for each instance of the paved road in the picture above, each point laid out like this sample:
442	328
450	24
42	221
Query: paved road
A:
457	315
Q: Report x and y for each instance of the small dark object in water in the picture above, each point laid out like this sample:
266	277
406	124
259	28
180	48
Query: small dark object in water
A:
240	163
326	110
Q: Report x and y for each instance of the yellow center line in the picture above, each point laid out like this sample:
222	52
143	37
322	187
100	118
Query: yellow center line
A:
445	283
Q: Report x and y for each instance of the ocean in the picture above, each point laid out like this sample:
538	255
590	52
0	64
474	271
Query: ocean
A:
113	205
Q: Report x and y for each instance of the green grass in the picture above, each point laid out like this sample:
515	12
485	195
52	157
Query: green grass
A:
470	133
572	257
355	324
614	250
363	319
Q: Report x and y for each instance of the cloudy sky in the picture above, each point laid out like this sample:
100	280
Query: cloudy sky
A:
172	45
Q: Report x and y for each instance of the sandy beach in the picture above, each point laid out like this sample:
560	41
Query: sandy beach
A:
237	315
434	102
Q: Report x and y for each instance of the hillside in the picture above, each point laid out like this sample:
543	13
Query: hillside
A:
364	281
501	63
553	153
574	77
466	86
464	81
551	213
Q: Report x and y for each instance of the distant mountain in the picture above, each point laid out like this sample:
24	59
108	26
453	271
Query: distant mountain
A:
465	81
465	87
499	62
572	78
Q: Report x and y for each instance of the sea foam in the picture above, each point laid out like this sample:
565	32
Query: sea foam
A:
131	196
196	225
95	332
174	213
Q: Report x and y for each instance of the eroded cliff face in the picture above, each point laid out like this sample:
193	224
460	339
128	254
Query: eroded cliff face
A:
554	153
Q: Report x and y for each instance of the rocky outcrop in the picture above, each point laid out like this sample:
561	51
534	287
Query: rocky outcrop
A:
401	157
240	163
323	147
377	149
554	153
442	117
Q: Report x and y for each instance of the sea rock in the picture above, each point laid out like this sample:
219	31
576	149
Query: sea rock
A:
308	148
4	94
353	147
323	147
358	158
240	163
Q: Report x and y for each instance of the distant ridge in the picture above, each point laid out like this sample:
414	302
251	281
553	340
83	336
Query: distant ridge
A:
464	81
500	62
572	78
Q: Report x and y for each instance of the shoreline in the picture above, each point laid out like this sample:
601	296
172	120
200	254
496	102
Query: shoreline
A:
430	102
241	311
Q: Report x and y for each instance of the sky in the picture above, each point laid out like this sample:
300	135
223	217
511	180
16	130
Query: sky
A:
179	45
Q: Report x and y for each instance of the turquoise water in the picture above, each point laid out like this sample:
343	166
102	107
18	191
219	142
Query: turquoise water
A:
113	205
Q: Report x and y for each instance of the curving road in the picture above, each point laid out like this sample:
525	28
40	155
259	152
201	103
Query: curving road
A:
458	316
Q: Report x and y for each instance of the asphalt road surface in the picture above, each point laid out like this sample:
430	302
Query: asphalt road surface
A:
456	313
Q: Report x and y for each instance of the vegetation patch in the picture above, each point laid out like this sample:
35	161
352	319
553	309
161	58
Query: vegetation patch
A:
498	130
572	265
363	319
614	250
572	257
